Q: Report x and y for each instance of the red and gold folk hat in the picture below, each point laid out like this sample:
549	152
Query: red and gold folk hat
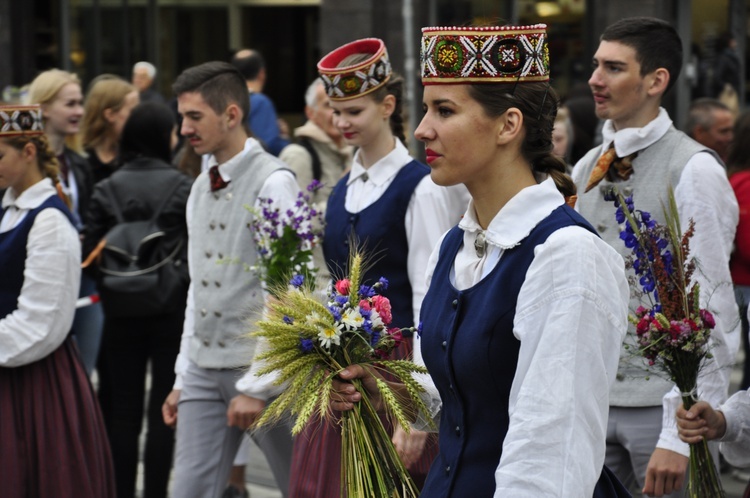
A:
352	81
17	120
504	54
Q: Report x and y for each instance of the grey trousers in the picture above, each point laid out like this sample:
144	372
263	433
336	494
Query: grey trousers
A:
206	446
632	434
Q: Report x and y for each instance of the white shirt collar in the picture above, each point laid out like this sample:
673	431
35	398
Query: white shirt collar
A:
518	217
31	197
227	169
630	140
384	169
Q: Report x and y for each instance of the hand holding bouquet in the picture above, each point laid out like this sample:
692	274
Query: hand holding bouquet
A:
673	332
310	341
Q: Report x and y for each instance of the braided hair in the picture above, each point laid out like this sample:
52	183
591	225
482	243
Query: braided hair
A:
538	102
46	159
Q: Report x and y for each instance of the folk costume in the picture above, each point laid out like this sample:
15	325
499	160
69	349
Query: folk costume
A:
396	213
666	156
53	438
220	297
522	320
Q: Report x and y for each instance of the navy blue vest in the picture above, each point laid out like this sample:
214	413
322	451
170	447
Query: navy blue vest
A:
13	254
470	350
379	229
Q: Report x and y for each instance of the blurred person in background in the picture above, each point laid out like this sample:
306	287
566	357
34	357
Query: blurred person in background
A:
61	98
132	346
710	123
144	77
108	103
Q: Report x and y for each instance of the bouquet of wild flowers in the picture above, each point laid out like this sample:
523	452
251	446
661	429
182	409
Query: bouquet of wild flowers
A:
285	240
310	340
672	334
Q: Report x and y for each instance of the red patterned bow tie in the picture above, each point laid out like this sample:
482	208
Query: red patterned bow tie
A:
217	182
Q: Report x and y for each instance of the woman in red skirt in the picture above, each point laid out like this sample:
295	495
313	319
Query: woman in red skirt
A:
52	440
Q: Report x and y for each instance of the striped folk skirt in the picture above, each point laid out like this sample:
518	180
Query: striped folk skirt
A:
52	439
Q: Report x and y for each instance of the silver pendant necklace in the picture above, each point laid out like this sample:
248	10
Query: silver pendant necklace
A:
480	243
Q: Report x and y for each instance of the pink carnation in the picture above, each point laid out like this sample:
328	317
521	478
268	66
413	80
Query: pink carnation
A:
708	319
364	305
641	311
396	334
342	286
643	325
383	306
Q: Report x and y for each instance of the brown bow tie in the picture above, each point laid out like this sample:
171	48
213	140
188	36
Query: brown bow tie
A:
217	182
610	166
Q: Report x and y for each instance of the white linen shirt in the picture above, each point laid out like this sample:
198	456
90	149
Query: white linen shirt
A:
280	186
432	210
571	317
705	195
735	445
51	279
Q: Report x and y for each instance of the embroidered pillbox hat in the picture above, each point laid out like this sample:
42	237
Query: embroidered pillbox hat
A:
361	78
17	120
504	54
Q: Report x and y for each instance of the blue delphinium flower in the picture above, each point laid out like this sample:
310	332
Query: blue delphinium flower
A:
383	283
288	320
306	345
366	291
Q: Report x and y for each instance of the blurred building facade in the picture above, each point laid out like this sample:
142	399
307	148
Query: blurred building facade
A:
91	37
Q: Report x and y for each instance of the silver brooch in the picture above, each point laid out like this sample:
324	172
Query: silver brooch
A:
480	243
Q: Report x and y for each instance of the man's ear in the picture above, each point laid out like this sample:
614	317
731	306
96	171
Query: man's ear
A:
510	125
657	82
233	115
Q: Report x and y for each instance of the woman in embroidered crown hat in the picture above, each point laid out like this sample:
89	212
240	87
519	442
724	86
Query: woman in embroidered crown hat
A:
526	306
396	213
53	439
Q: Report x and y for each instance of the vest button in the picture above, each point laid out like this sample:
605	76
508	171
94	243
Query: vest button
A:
458	429
217	314
217	283
620	377
627	191
208	254
204	312
221	344
206	342
450	387
448	469
220	255
445	344
205	283
455	303
222	226
601	227
212	226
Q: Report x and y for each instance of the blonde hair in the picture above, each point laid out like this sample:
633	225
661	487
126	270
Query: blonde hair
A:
106	93
44	90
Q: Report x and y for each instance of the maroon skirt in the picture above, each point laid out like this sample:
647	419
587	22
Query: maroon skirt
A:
316	457
52	439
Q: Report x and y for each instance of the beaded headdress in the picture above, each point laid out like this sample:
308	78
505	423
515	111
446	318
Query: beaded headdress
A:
505	54
352	81
17	120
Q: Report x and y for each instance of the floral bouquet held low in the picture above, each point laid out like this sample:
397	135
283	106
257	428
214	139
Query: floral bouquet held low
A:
672	334
310	340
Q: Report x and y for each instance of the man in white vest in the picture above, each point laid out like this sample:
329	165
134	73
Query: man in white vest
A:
209	411
637	62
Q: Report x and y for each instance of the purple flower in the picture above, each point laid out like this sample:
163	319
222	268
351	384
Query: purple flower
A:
419	329
366	291
288	320
297	281
383	282
306	345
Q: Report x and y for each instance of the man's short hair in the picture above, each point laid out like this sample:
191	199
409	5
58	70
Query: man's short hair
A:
311	91
248	63
150	68
655	41
701	113
219	83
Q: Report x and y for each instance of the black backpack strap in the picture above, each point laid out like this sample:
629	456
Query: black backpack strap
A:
316	166
110	191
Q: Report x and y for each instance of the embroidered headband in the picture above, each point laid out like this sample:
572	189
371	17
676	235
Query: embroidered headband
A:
505	54
352	81
17	120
